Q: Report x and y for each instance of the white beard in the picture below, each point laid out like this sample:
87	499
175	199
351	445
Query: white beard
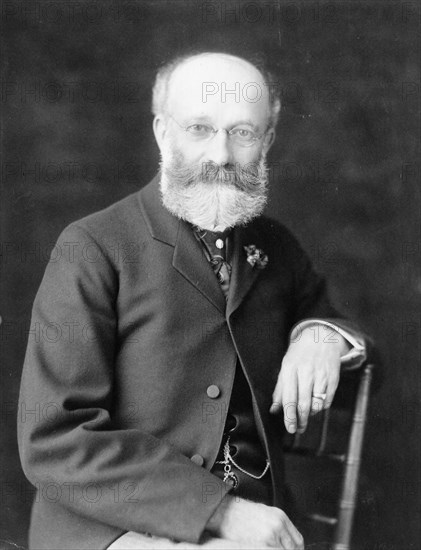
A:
215	205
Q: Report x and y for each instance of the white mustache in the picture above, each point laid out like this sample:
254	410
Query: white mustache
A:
209	172
211	196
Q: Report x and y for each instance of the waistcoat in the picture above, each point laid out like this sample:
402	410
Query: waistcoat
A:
240	431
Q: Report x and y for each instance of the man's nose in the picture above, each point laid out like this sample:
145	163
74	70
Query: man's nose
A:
219	149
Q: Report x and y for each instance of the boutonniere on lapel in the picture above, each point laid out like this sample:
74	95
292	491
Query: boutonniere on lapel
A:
256	257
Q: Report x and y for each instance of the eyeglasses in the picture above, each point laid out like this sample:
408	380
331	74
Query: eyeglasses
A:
239	135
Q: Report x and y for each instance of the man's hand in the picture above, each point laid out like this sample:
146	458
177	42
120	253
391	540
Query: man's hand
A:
251	522
308	378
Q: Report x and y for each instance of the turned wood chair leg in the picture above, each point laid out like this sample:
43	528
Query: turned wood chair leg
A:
347	503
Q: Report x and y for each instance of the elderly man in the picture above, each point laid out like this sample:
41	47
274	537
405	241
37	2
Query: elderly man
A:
187	323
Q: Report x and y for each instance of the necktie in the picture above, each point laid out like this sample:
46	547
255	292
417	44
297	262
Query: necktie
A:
215	245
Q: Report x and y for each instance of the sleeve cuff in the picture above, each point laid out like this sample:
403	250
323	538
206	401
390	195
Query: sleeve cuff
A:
354	358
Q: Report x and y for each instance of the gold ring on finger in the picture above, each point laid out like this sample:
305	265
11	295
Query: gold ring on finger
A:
321	396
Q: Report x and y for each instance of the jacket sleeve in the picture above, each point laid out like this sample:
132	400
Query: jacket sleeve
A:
68	446
313	307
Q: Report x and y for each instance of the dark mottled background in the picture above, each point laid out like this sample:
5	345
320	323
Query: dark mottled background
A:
76	90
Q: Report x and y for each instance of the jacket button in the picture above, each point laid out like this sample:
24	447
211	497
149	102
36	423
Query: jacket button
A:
198	459
213	391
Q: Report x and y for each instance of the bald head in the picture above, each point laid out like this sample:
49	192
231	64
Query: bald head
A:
206	81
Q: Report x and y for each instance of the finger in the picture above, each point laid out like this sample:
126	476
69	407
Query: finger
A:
317	405
290	536
289	402
296	536
298	542
285	540
331	390
277	397
304	402
319	396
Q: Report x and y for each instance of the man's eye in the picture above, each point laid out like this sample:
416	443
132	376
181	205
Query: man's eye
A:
199	129
242	133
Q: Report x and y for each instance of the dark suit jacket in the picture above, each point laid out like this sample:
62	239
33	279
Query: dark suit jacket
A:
130	328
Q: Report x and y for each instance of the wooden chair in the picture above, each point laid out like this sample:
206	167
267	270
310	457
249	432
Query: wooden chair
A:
326	431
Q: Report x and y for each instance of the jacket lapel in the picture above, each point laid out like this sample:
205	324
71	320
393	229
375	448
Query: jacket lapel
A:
243	275
188	257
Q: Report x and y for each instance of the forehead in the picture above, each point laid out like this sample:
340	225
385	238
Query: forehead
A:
220	87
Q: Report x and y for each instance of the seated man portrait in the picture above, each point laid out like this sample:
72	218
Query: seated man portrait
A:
187	349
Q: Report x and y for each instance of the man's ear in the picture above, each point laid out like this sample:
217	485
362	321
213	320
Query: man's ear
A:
269	139
159	129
